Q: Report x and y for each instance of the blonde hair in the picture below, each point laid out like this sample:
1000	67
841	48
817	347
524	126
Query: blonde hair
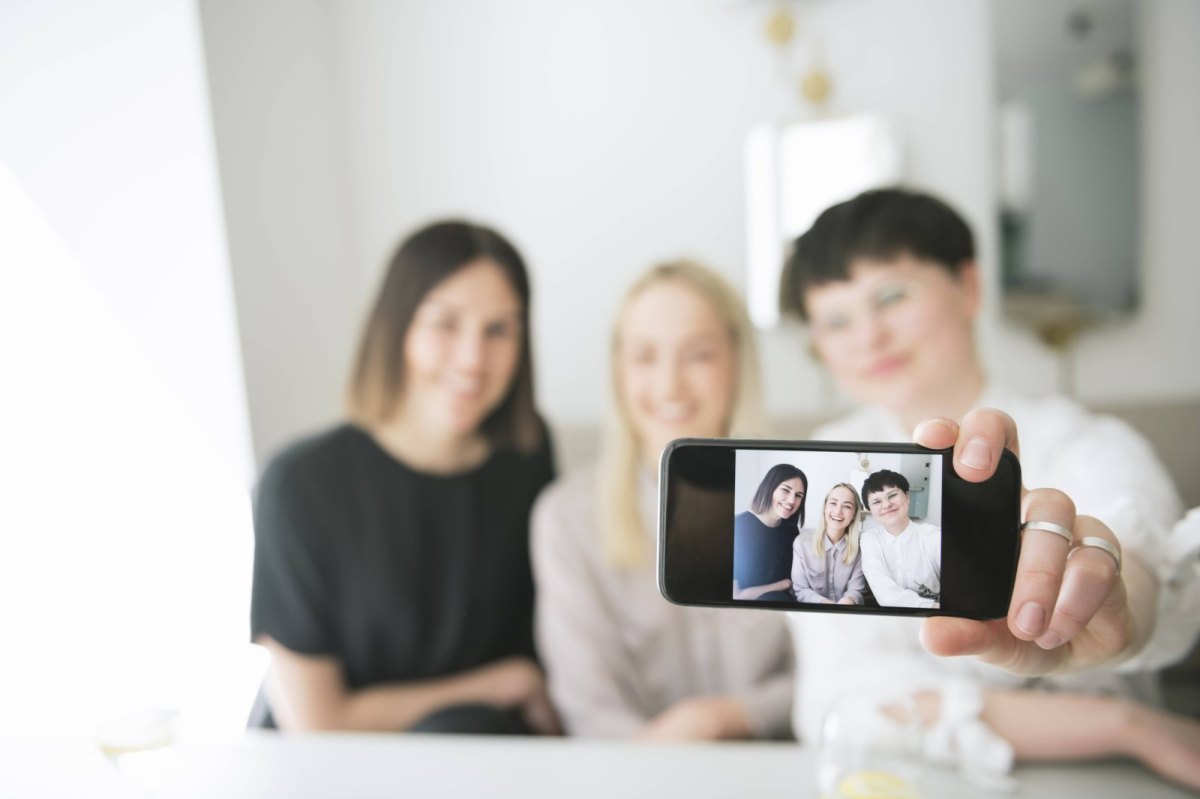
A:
852	529
623	535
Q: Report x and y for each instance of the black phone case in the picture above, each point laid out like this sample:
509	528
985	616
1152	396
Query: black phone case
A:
983	552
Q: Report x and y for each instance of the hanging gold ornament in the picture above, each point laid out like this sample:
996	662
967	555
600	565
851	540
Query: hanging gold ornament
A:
781	26
816	86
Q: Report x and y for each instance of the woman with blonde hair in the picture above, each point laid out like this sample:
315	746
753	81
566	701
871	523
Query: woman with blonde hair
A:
826	563
620	660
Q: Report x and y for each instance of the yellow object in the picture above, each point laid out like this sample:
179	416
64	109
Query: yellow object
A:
875	785
781	26
816	86
137	732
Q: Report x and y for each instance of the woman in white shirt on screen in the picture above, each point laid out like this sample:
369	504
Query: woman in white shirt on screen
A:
888	284
902	559
621	661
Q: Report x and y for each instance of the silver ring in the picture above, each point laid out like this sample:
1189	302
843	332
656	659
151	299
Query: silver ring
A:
1102	544
1049	527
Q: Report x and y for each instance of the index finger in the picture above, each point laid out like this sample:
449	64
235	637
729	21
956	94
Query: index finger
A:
978	441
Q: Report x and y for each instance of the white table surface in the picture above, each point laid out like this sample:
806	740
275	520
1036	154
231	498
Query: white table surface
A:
345	766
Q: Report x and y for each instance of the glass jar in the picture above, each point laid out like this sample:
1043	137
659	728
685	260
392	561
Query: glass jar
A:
870	748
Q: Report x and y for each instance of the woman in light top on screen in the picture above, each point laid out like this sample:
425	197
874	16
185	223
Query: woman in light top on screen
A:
620	660
826	563
763	536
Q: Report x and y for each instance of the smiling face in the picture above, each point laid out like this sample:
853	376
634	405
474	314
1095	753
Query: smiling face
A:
462	349
841	507
898	334
787	498
890	508
675	367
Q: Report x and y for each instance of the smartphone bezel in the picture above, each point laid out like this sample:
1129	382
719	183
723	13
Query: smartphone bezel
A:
1009	528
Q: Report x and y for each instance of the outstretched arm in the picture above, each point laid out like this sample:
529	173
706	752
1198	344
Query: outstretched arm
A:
1048	727
1064	615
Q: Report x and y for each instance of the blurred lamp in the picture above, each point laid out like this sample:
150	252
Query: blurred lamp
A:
793	172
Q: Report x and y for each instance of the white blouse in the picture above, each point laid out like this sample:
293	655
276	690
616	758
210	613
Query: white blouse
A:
904	570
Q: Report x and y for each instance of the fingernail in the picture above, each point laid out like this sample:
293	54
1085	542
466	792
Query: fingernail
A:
976	454
1031	618
942	423
1050	640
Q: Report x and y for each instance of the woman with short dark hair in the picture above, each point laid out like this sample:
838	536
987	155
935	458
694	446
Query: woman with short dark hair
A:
392	583
889	285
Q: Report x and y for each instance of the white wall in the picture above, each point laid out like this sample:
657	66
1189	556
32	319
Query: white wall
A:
125	531
277	123
603	136
104	121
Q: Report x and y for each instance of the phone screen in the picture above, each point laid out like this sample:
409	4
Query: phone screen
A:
847	527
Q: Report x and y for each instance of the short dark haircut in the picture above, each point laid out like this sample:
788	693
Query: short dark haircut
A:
421	262
880	224
882	480
766	489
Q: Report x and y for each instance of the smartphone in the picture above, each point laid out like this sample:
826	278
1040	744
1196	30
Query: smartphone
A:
843	527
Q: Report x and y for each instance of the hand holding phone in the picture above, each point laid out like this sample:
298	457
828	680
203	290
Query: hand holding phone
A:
1092	608
1091	612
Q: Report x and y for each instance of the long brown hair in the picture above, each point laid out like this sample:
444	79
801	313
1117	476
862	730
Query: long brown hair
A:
776	476
421	262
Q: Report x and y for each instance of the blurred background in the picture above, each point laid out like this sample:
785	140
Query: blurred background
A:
197	198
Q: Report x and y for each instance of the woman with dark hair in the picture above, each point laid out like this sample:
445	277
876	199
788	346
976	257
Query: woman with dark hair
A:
1106	588
392	584
763	536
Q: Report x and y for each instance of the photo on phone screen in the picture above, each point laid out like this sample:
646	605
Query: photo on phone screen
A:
835	526
856	528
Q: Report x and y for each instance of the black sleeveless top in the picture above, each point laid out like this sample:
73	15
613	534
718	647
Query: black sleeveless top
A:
762	554
399	574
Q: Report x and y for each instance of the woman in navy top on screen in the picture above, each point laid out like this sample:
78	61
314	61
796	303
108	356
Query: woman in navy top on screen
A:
763	536
392	584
